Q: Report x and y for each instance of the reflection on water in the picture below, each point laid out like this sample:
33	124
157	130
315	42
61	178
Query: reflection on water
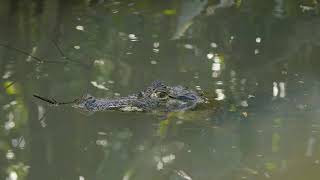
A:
257	62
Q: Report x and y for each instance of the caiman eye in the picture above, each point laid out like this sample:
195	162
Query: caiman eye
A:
161	95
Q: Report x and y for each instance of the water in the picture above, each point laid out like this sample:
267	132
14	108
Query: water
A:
260	60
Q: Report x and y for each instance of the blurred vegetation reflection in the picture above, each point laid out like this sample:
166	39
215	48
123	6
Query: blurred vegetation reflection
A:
258	59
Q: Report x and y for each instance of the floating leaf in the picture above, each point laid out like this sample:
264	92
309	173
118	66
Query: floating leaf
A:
169	12
10	87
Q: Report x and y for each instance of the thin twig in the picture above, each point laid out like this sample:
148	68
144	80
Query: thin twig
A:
60	50
53	101
41	60
28	54
66	57
21	51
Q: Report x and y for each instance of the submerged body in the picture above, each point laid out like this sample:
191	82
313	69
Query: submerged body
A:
157	97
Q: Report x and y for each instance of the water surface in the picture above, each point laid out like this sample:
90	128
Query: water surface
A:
259	60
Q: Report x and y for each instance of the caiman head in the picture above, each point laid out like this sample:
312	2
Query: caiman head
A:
157	97
170	98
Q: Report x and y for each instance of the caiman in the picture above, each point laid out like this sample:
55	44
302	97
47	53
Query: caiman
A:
158	97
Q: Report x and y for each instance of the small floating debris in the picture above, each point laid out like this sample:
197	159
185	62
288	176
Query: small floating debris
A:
132	37
159	165
153	62
231	38
156	44
12	176
10	154
169	158
198	88
244	103
114	11
80	28
99	86
251	96
267	175
102	133
188	46
7	74
245	114
219	83
183	174
220	95
275	89
258	40
306	8
76	47
251	171
98	62
110	82
9	125
210	55
214	45
216	67
102	142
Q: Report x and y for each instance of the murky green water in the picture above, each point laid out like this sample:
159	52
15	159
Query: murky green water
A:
259	59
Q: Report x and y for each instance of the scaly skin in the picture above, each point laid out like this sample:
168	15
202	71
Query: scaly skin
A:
157	97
